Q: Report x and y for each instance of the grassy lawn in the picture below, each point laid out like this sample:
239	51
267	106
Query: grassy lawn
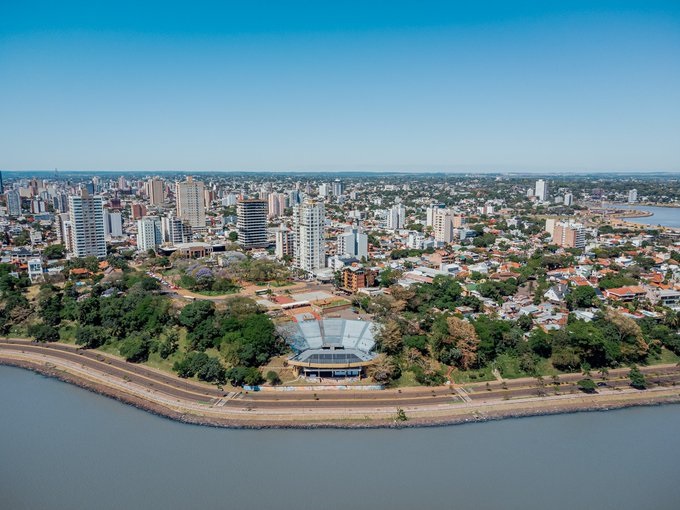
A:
214	293
666	357
468	376
407	378
275	284
67	333
509	367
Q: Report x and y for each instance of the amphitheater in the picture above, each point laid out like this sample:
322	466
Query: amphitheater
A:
333	348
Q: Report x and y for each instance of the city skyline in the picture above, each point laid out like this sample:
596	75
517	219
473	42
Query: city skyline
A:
440	88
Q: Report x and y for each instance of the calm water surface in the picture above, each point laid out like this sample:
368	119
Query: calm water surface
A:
65	448
665	216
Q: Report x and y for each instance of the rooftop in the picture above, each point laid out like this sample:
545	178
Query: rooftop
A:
330	341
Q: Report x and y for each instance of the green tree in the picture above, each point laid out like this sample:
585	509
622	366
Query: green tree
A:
90	337
637	378
43	333
170	345
135	348
50	309
582	296
587	385
54	251
195	313
240	376
273	378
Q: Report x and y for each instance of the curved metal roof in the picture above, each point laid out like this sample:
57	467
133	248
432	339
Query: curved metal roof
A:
330	341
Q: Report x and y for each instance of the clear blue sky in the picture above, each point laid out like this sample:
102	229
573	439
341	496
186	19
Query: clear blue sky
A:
343	85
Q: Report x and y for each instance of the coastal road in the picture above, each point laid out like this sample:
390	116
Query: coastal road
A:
171	390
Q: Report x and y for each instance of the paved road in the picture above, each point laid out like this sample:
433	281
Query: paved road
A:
173	387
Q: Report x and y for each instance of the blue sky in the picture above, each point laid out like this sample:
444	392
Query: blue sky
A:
340	86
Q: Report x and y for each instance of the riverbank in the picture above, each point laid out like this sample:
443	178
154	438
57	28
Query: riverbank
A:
633	214
311	413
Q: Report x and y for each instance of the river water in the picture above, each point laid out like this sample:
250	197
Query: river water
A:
62	447
664	216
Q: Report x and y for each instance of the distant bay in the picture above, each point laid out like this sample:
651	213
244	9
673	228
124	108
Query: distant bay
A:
664	216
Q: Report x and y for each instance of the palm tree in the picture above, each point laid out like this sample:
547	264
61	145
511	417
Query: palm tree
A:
604	372
672	319
585	369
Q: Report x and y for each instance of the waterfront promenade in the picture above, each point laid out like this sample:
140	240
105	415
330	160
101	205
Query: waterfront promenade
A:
195	402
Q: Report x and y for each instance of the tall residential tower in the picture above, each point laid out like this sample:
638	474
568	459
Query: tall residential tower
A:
251	223
190	205
309	220
87	225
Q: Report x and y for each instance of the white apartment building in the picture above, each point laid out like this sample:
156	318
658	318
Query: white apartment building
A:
190	202
86	213
309	220
541	190
354	243
285	243
442	226
113	223
149	235
174	230
396	217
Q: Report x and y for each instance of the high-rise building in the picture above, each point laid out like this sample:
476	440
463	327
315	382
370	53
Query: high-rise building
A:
60	203
550	225
209	195
396	217
113	223
567	234
277	204
541	190
137	211
251	223
442	226
338	187
430	211
13	203
632	196
294	197
229	200
285	243
568	199
309	221
87	225
324	190
156	191
149	234
63	227
174	231
38	206
190	206
354	243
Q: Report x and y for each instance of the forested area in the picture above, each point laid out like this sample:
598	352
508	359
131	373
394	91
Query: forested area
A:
130	316
424	335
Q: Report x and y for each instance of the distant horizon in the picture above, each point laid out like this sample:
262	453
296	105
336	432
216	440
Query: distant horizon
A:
519	173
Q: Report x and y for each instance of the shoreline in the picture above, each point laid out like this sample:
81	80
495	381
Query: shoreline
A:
542	406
